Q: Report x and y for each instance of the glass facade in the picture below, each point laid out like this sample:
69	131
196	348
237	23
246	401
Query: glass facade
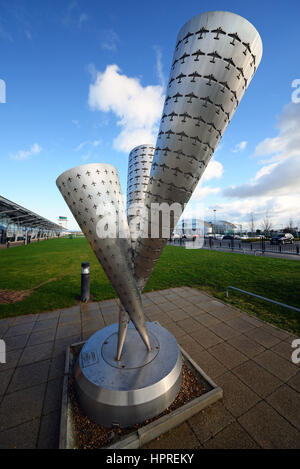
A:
19	224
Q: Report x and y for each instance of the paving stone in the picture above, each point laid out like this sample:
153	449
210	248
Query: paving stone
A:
68	330
228	355
211	305
57	367
49	431
210	421
207	319
182	303
180	437
191	347
49	315
192	310
287	403
12	359
67	319
284	349
252	320
231	437
246	346
21	406
177	315
5	324
168	306
29	375
25	319
46	324
158	300
36	353
60	345
41	337
5	377
294	382
240	324
224	331
237	397
17	342
263	337
175	330
53	396
269	429
209	364
21	437
281	334
278	366
257	378
20	329
206	337
227	313
189	325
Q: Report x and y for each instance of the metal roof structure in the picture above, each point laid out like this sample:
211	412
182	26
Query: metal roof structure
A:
16	214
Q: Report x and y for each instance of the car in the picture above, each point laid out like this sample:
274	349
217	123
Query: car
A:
282	238
228	237
237	237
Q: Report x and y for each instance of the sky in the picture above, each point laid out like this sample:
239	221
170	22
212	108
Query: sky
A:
84	82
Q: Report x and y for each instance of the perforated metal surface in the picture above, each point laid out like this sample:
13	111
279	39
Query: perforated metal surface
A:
215	58
93	194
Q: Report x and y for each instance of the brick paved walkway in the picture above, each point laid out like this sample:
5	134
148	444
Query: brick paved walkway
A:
248	358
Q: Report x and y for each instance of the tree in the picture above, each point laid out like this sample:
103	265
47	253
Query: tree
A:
266	224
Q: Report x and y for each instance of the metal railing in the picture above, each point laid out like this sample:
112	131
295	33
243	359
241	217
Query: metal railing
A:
262	298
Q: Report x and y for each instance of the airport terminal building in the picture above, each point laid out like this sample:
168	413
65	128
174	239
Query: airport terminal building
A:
20	225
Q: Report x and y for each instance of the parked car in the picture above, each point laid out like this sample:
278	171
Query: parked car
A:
228	237
237	237
282	238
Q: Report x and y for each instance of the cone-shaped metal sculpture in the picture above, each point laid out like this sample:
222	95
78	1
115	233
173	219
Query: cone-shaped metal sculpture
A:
216	56
139	167
93	195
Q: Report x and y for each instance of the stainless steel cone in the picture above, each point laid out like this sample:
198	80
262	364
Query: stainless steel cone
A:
93	194
215	58
139	167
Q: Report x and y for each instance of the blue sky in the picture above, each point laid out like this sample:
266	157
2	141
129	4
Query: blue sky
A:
58	60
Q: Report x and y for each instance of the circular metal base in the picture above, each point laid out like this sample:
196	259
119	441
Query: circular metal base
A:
138	387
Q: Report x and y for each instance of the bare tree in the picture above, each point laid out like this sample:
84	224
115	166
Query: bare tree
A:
252	223
266	224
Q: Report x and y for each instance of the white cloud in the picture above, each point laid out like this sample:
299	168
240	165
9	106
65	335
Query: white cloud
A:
137	108
94	143
214	170
276	186
281	173
159	66
202	192
240	147
25	154
109	39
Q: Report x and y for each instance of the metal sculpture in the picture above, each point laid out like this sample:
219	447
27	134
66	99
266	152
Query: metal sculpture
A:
121	381
216	56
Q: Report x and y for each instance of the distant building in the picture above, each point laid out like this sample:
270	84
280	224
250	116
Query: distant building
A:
192	226
17	223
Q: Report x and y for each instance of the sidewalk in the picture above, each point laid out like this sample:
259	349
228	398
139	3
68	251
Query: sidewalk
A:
248	358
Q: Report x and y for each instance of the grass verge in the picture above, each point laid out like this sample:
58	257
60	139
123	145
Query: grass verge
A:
26	267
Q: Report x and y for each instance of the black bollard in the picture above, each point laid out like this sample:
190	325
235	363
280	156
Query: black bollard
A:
85	282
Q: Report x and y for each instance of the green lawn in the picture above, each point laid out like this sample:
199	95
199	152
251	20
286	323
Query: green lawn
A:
25	267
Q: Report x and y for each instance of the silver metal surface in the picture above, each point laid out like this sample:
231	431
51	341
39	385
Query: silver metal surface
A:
138	387
216	56
93	194
293	308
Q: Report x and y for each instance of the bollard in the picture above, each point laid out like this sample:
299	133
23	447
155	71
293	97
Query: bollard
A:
85	282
